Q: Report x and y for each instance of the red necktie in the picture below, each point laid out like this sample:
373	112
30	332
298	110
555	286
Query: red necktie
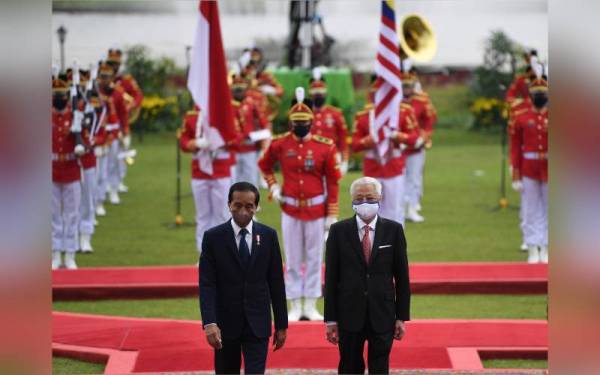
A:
366	243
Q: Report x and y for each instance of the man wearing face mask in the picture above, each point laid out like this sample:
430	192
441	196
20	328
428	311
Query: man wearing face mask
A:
66	175
329	121
367	288
389	171
117	128
309	202
415	156
528	130
253	131
133	97
208	189
241	278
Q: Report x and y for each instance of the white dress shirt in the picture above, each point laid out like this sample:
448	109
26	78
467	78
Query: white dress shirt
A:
361	229
238	236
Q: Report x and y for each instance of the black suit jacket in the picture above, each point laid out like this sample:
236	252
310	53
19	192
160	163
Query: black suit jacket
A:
230	293
352	287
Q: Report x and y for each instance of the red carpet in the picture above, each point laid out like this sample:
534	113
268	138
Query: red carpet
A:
155	345
181	281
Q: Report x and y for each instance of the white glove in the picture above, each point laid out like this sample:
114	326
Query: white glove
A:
202	143
268	90
127	141
79	150
276	193
344	167
517	185
98	151
330	220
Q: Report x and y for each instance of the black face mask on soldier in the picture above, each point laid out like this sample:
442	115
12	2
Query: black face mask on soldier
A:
301	130
59	102
318	100
540	100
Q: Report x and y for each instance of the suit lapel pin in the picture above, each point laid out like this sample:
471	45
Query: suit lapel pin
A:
258	240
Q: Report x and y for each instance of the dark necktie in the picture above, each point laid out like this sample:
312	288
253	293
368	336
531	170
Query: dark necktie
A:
244	251
366	243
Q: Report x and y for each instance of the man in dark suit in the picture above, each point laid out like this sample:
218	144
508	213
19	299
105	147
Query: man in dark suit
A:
367	291
241	276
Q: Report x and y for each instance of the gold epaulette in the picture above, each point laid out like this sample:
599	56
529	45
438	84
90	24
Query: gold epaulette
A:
235	103
322	139
516	101
519	112
405	106
367	108
191	112
279	136
422	97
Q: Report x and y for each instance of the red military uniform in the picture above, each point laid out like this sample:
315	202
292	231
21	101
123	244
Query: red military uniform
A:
329	122
259	100
304	163
117	116
362	141
519	88
425	116
65	168
223	158
266	79
528	130
131	88
250	119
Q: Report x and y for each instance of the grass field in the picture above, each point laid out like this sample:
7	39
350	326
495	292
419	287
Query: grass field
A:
461	193
422	307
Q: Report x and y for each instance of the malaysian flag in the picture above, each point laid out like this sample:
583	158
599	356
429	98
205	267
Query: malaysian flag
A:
389	87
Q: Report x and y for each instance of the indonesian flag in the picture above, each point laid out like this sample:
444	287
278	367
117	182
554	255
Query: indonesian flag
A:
207	82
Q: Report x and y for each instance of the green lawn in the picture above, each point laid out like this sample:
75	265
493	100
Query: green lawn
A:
69	366
515	363
422	307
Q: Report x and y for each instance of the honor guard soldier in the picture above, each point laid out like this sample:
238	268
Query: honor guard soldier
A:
309	202
528	130
209	190
415	156
253	131
390	171
66	175
329	121
117	129
133	98
517	97
519	88
92	133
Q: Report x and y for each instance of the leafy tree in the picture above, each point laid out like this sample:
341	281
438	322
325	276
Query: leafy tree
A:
499	63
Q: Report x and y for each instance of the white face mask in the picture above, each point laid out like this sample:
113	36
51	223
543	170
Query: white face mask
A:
366	211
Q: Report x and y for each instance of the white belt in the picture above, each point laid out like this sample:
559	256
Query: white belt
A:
535	155
110	127
319	199
220	154
64	157
372	155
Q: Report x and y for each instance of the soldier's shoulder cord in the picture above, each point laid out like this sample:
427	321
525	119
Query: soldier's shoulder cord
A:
322	139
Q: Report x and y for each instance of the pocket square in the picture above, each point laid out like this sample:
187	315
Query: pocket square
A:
384	246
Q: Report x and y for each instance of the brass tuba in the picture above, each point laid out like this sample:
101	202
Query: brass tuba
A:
417	39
